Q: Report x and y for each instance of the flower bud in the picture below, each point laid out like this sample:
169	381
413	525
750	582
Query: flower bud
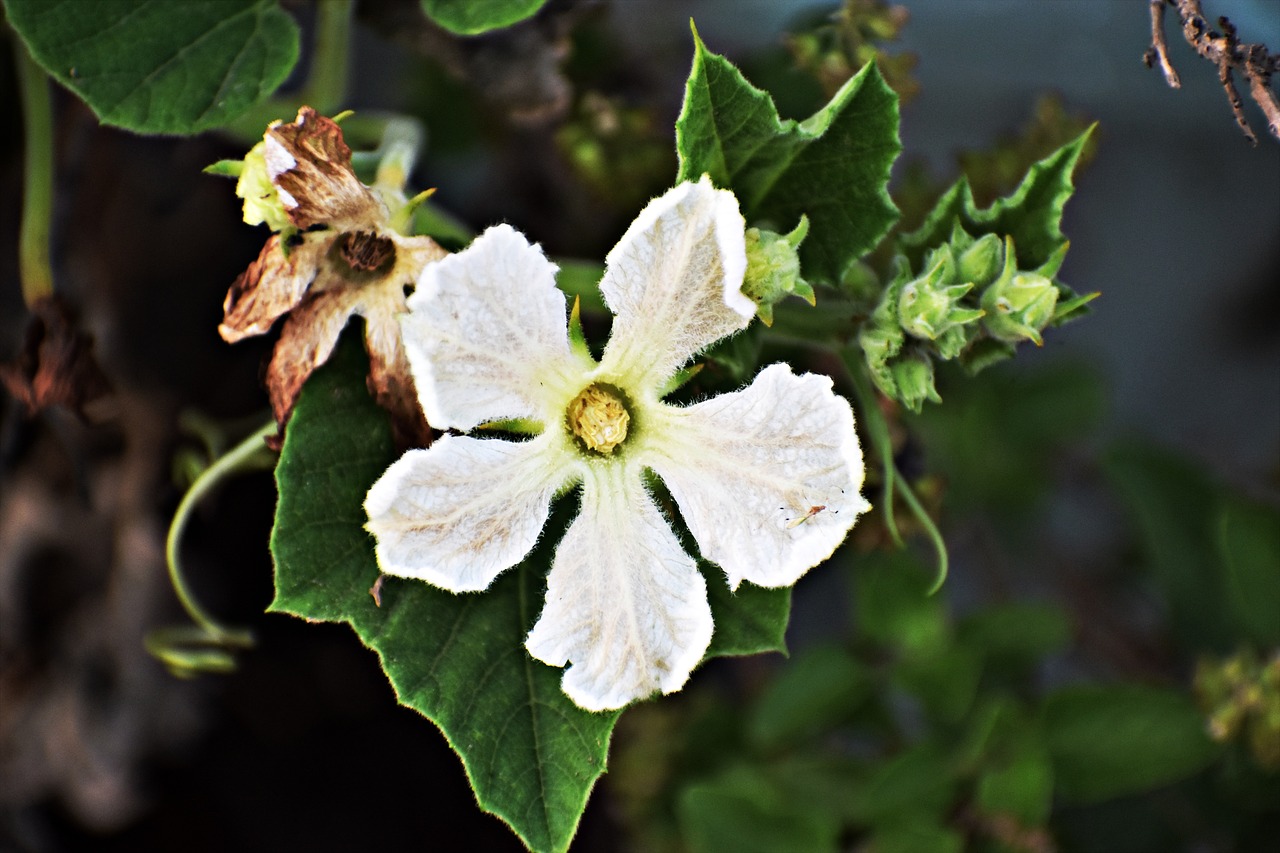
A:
982	261
928	307
913	377
773	269
1018	304
261	199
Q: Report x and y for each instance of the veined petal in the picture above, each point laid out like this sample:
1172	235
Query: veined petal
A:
460	512
310	165
307	338
487	336
626	606
272	285
766	478
675	283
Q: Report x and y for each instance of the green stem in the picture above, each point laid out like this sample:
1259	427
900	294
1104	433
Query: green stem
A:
244	456
326	87
878	432
37	196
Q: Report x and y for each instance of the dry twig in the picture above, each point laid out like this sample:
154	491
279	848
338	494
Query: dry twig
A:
1224	50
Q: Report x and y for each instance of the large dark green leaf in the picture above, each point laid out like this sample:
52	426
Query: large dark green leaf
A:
161	66
1249	540
743	811
1175	505
832	167
531	755
1113	741
469	17
1031	214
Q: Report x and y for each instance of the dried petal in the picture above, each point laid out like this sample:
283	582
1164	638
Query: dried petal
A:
56	365
310	165
272	285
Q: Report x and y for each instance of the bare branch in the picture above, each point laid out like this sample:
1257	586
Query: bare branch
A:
1159	49
1226	52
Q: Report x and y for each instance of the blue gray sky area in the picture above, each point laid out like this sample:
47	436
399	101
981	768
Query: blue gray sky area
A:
1177	221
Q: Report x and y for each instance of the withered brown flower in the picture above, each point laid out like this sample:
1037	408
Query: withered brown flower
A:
344	258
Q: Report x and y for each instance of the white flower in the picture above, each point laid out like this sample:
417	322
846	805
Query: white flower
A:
766	478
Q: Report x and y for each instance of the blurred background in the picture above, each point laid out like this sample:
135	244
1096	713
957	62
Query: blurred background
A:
1083	477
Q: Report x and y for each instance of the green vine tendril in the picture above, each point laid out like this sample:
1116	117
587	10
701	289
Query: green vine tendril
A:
894	484
207	645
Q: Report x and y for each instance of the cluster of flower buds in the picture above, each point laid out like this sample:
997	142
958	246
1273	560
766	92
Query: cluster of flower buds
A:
773	269
970	303
1241	696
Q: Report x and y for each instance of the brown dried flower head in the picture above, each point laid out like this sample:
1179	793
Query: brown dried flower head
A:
340	257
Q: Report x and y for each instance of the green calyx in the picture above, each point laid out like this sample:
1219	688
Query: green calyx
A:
1019	305
773	269
930	306
261	199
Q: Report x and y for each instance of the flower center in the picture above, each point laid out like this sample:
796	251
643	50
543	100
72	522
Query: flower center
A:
366	252
598	418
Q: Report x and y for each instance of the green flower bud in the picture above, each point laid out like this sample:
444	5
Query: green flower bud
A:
773	269
982	261
1018	304
913	377
261	200
928	307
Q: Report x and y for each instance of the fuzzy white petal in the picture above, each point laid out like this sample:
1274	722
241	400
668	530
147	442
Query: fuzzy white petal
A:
486	334
766	478
626	606
463	510
675	283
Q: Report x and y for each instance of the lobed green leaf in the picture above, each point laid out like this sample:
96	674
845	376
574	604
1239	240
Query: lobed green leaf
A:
1031	214
161	66
832	167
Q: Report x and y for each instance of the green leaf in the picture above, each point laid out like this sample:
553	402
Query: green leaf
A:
470	17
814	693
914	837
1113	741
530	754
749	621
892	605
1031	214
1017	634
1020	786
161	66
832	167
742	811
912	787
1249	541
1174	505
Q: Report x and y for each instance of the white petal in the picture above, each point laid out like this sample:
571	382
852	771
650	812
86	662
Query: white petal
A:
487	335
766	478
675	283
626	606
463	510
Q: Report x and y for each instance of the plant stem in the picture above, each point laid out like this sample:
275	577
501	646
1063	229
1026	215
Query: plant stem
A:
326	87
878	433
247	455
34	268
